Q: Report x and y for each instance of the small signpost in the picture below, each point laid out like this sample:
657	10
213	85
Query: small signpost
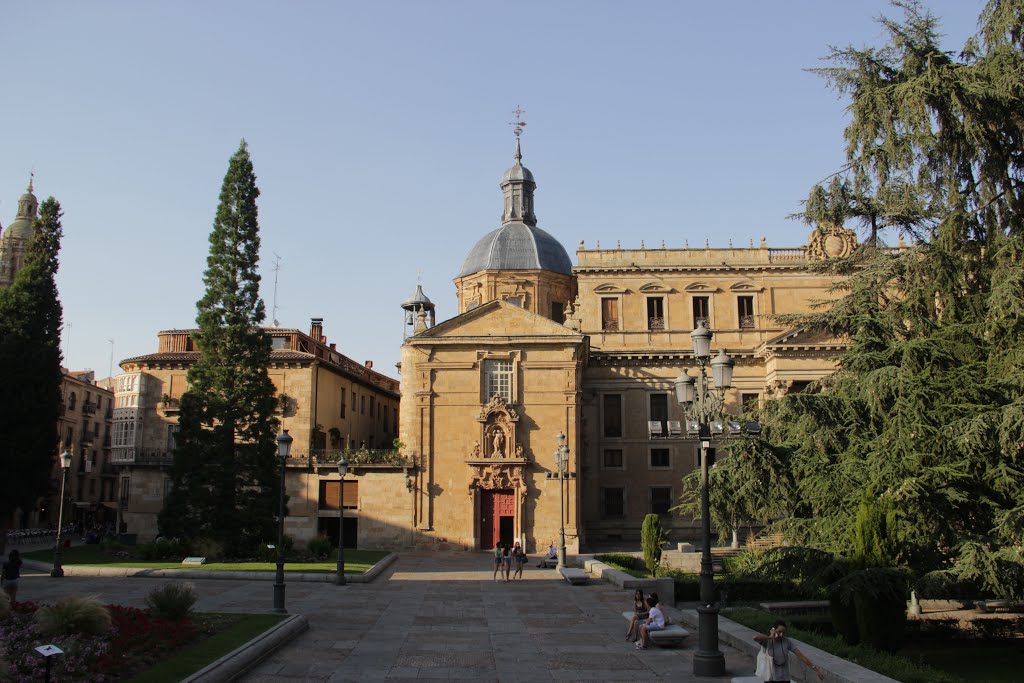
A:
48	651
194	560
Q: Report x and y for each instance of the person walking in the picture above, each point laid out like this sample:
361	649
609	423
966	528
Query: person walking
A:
778	647
9	575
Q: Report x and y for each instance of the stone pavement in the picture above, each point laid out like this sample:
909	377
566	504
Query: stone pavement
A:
434	617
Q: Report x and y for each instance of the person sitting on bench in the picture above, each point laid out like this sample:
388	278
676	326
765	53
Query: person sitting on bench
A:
551	557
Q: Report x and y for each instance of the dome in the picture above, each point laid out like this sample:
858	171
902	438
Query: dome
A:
517	246
21	226
517	172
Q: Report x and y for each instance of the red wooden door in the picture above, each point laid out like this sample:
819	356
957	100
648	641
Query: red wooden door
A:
494	505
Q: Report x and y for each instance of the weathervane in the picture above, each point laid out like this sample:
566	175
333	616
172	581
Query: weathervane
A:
518	123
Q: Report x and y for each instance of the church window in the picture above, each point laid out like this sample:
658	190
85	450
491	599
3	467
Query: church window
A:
612	415
655	313
557	312
612	459
613	502
661	499
610	314
701	308
745	307
498	374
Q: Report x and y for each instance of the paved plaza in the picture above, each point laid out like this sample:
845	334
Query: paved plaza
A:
433	617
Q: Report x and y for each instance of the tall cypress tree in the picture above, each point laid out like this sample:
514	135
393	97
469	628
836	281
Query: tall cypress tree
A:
224	477
926	410
30	325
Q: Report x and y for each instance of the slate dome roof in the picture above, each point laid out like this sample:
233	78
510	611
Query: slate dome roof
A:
517	246
21	226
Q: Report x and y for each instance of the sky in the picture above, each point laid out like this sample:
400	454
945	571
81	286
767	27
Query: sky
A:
379	132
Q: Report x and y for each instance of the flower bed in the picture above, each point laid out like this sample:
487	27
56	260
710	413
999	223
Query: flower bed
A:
135	642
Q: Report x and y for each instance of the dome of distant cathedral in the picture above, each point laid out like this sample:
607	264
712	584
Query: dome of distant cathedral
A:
21	226
517	246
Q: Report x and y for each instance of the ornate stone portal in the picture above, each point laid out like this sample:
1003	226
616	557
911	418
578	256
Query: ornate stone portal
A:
497	466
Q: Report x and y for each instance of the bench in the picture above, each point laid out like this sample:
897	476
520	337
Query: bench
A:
795	606
576	577
672	635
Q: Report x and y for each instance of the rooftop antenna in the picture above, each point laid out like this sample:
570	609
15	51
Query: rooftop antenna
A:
276	269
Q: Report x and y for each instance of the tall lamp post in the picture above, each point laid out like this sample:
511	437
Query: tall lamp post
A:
284	447
703	406
65	465
562	463
339	576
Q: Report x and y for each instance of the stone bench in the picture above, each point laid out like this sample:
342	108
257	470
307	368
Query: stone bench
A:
672	635
795	606
576	577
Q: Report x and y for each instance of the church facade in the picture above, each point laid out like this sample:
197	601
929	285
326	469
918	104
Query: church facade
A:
541	349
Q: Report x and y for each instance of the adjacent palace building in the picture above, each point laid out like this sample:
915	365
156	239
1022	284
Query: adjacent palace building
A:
541	347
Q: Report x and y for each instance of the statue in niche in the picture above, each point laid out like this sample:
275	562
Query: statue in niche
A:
519	450
499	444
476	449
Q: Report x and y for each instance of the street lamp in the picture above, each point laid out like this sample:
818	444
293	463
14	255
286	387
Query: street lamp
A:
65	465
703	405
339	576
284	447
561	463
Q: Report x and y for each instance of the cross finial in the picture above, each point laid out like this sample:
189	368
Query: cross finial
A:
31	178
518	123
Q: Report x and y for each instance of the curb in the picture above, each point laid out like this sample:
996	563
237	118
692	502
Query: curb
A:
312	577
836	669
665	587
237	662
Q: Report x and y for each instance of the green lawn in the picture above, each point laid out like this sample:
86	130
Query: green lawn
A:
356	561
193	658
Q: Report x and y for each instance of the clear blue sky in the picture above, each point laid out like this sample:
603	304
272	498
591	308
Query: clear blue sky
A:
379	133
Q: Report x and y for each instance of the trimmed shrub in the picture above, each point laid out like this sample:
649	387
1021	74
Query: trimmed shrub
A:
172	601
319	547
652	536
73	615
740	588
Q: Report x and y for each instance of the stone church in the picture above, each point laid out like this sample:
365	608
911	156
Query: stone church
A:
543	348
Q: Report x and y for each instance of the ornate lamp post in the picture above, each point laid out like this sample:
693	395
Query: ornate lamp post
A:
339	576
65	465
561	463
284	447
703	406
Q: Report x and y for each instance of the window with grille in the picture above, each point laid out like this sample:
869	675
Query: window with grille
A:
612	459
655	313
612	417
660	458
613	502
659	411
745	308
701	311
499	379
661	499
